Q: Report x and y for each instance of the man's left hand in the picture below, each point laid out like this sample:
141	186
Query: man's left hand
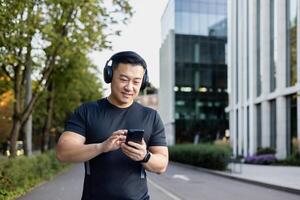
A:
135	151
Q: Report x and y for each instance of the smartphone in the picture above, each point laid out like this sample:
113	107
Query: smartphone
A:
135	135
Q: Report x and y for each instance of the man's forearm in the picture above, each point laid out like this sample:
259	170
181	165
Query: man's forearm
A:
80	153
157	163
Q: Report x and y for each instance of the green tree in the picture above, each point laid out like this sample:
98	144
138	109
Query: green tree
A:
6	97
39	33
70	86
5	83
5	115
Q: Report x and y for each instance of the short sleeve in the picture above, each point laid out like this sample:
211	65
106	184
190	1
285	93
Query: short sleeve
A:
158	136
77	121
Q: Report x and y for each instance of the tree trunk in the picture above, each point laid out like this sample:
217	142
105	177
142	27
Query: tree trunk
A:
27	128
14	137
17	122
48	121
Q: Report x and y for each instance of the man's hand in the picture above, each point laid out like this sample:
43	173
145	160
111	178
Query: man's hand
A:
114	142
135	151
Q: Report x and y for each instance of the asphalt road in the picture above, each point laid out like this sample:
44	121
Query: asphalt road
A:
68	186
191	184
178	183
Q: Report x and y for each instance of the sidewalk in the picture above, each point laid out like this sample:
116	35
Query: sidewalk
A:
280	177
284	178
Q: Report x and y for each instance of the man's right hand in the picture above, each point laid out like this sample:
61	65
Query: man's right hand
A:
71	146
115	141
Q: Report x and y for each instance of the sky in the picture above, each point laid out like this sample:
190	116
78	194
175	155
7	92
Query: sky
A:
142	35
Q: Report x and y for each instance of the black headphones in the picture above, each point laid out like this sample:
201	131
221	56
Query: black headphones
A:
108	69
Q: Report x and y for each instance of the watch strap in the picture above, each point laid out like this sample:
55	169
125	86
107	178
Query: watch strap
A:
147	157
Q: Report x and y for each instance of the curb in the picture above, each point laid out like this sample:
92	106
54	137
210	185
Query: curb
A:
222	174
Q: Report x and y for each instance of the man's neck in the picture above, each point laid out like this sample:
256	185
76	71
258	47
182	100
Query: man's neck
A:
116	103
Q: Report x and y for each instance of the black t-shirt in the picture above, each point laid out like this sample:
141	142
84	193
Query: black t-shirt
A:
113	175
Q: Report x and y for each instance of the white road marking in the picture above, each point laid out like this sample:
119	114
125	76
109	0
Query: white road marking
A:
180	176
172	196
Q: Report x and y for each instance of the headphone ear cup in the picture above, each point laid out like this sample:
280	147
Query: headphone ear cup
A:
107	74
145	81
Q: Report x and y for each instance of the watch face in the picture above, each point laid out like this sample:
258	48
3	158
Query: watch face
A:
147	157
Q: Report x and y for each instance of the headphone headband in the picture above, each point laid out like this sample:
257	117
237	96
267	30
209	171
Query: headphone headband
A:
128	54
123	55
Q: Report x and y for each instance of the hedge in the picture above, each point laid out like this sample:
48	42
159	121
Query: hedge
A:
19	175
293	160
211	156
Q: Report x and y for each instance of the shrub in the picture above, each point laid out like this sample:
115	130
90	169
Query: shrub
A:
293	160
264	159
202	155
18	175
263	156
265	150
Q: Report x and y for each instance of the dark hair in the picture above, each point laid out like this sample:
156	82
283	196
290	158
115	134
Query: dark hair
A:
128	57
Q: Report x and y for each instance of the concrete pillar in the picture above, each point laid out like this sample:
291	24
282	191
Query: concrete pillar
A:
281	42
233	66
229	47
265	46
234	52
252	76
245	83
265	69
281	127
265	125
240	67
166	94
281	76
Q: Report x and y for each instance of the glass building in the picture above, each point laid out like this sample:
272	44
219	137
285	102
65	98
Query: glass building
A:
263	75
193	70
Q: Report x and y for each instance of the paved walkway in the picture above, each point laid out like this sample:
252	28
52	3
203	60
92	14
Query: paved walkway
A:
285	178
180	182
68	186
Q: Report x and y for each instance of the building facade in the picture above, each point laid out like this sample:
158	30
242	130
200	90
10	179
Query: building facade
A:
263	75
193	70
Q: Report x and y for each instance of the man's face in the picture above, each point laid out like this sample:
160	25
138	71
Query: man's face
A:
126	84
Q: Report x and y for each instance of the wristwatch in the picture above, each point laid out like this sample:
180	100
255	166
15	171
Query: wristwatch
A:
147	157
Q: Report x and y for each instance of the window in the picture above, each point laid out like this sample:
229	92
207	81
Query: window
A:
292	124
258	122
273	124
237	132
248	131
258	70
273	21
292	42
196	53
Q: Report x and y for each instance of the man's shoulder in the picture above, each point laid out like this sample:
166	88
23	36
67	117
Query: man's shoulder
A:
145	108
91	105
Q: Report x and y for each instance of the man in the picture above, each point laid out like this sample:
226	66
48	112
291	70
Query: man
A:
96	134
